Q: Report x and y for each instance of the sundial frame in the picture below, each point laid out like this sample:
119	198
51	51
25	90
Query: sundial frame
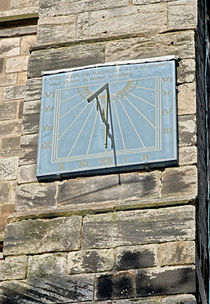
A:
130	123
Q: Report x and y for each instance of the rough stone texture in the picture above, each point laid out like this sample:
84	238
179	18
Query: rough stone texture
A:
187	130
12	93
40	236
106	188
186	71
8	111
16	64
10	47
32	196
10	128
131	257
47	264
5	211
18	31
26	43
187	99
33	89
138	227
1	64
8	168
48	290
31	107
13	268
176	253
169	280
10	147
8	79
178	181
30	124
27	174
175	43
4	192
28	145
117	285
63	58
187	156
185	299
91	261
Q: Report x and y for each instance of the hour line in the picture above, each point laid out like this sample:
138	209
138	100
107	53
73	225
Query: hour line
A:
71	109
67	99
145	101
93	129
69	126
80	131
118	120
139	112
132	124
150	89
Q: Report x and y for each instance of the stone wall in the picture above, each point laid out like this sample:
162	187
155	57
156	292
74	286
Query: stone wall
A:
88	240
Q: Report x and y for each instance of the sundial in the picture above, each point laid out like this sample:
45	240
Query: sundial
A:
107	118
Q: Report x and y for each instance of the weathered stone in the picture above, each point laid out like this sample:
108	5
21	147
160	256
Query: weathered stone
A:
47	264
10	47
146	300
10	128
8	79
178	181
5	5
22	78
40	236
82	26
185	299
1	64
26	43
186	71
24	3
131	257
16	64
176	253
126	21
10	93
181	18
63	7
8	111
63	29
10	147
106	188
8	168
139	227
68	57
4	192
168	280
27	174
188	156
48	290
31	107
18	31
13	268
33	89
181	44
28	145
31	196
20	110
187	130
118	285
187	99
5	211
91	261
30	124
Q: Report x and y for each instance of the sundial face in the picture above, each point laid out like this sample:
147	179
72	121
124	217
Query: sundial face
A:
139	125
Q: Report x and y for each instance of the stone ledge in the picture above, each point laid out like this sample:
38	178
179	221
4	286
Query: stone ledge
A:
19	14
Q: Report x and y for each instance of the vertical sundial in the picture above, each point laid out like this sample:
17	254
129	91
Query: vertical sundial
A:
107	118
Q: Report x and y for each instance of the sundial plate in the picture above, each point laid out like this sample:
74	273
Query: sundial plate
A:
141	119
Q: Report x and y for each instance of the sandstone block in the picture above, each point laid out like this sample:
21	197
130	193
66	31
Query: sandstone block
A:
27	174
185	299
18	31
82	29
181	18
168	280
4	192
33	89
28	145
8	79
31	107
8	110
1	64
13	268
188	156
22	78
16	92
63	58
30	124
42	236
106	188
47	264
10	128
24	3
187	99
186	71
112	286
176	253
16	64
179	181
5	5
187	130
31	196
8	168
26	43
139	227
90	261
132	257
181	44
10	147
5	211
10	47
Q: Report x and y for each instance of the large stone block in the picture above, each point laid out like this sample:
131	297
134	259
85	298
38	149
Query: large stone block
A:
31	107
8	79
27	174
8	168
30	123
10	128
17	31
4	192
16	64
31	196
134	186
187	130
8	110
50	289
10	47
185	299
24	3
186	71
33	89
13	268
179	181
12	93
91	261
187	99
168	280
66	57
28	145
40	236
47	264
10	147
181	44
26	43
188	156
139	227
